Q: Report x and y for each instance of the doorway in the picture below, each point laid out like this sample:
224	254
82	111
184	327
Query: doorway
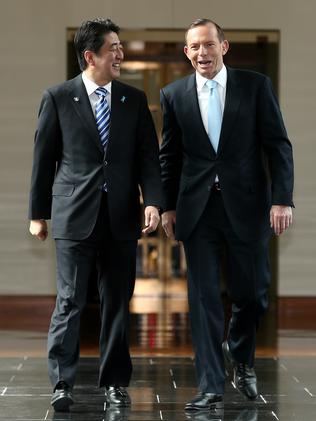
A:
154	58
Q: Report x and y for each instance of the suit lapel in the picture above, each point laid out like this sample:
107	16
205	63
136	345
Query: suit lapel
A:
232	103
121	110
117	111
80	101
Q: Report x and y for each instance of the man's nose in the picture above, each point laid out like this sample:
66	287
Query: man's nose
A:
120	54
202	50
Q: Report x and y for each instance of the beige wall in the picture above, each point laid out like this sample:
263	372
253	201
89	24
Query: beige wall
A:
33	56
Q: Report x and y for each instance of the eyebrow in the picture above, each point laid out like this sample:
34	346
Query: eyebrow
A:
114	44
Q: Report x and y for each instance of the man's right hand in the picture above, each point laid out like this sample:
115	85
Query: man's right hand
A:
38	228
168	220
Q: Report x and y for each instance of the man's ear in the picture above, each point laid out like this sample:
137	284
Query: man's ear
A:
89	57
225	46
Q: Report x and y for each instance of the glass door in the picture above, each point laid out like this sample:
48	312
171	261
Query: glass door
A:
154	58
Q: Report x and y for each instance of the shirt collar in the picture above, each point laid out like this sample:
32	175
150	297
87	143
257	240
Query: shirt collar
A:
91	86
220	78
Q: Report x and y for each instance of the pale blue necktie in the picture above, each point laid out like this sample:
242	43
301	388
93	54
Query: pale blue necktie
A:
214	114
102	115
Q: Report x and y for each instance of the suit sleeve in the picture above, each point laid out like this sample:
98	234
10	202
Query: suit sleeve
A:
276	145
170	155
148	157
45	155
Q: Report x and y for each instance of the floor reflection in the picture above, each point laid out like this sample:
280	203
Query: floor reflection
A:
159	389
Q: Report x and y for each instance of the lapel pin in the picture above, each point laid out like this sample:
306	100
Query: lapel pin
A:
76	99
123	99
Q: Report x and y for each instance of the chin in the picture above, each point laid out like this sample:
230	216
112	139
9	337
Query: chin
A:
116	74
209	74
205	73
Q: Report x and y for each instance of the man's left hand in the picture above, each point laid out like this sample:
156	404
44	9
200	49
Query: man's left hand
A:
152	219
280	218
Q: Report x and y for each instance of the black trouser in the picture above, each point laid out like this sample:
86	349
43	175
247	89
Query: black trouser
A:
247	281
116	261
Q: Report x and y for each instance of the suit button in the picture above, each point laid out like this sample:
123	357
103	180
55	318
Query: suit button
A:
209	188
105	163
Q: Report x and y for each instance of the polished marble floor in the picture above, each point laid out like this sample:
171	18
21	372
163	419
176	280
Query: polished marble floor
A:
159	389
163	378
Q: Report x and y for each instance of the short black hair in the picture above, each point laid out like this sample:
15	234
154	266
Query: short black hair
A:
204	21
90	36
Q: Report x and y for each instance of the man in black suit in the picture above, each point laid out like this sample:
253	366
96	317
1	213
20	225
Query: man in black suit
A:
219	197
95	146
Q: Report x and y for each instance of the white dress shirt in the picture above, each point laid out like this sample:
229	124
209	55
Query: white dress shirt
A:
91	87
203	93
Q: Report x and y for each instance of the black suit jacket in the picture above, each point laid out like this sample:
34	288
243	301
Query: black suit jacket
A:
253	161
70	167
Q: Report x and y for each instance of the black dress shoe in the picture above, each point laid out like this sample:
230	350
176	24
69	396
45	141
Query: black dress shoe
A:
203	401
62	397
245	378
118	396
228	358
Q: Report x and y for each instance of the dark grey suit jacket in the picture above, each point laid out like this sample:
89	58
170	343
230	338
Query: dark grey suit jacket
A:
70	167
253	143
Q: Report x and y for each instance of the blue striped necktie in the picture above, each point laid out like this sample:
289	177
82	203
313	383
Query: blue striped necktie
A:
102	116
214	114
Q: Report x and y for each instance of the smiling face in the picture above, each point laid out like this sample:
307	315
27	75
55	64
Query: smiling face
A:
105	65
205	50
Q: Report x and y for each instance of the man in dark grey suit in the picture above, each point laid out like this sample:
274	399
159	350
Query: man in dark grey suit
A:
95	146
222	134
